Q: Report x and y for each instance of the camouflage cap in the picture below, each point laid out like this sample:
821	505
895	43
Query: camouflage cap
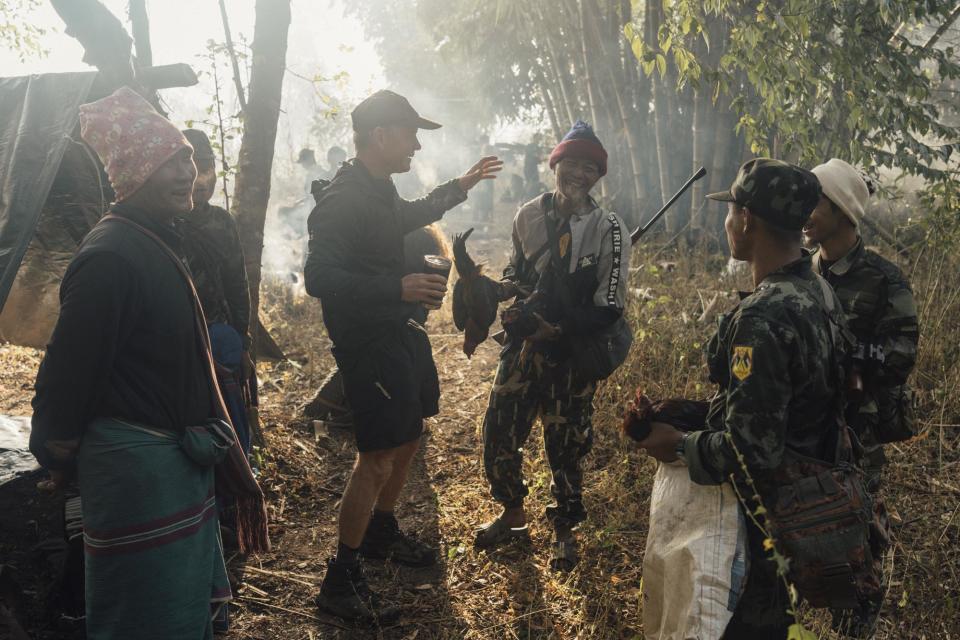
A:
783	194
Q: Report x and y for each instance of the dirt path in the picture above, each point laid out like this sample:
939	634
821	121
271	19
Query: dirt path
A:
470	594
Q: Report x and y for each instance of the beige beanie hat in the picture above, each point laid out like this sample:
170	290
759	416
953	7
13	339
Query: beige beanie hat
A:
845	187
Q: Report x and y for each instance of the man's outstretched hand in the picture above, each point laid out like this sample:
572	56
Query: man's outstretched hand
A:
486	169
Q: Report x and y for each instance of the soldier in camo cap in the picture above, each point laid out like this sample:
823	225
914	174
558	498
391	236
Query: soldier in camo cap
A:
777	360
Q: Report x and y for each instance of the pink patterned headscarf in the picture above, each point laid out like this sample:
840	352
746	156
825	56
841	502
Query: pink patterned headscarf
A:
131	138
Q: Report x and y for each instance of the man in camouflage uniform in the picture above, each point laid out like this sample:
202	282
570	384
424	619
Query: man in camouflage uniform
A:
777	358
211	244
536	376
880	309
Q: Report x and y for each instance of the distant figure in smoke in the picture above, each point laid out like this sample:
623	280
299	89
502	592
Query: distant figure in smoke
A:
336	156
531	170
355	265
211	244
311	170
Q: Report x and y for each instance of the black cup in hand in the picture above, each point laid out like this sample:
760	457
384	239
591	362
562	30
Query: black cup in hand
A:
437	265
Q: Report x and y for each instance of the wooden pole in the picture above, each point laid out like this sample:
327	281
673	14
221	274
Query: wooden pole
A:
255	162
140	24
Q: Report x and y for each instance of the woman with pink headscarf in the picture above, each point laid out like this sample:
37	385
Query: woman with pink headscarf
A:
126	398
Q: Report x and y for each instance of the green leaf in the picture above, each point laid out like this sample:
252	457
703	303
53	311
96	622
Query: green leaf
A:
661	65
628	31
648	67
637	47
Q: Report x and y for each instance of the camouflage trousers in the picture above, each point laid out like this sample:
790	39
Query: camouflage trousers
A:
526	387
871	456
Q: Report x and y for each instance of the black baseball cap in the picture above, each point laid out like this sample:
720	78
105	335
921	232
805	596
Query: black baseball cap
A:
385	108
202	150
781	193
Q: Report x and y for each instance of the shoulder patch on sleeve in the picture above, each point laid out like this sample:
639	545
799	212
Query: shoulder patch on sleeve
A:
741	364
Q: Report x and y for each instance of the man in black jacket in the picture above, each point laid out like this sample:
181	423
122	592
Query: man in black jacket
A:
355	266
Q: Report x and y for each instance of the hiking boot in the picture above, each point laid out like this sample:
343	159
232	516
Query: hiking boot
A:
385	541
346	595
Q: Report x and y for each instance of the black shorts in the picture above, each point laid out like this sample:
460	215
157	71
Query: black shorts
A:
391	388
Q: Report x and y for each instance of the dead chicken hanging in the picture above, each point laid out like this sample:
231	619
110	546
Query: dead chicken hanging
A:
475	297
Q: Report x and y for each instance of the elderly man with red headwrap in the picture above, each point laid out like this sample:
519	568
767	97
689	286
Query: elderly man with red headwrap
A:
127	400
575	256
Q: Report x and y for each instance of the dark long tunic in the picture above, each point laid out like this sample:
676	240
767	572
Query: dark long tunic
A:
212	248
125	344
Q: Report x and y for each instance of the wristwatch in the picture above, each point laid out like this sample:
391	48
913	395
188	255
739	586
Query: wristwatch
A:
681	448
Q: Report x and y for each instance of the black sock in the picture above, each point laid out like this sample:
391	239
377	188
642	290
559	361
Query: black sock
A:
346	555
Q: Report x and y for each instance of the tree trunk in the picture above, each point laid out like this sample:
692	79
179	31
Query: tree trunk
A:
704	127
661	116
699	124
562	71
549	104
255	162
140	25
106	44
563	81
588	78
633	155
726	160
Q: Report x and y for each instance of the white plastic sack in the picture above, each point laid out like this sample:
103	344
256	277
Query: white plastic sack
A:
694	568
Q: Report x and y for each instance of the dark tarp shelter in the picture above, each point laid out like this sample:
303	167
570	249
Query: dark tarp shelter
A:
51	194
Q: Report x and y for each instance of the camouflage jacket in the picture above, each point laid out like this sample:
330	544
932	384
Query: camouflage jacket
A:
882	315
778	360
595	256
211	244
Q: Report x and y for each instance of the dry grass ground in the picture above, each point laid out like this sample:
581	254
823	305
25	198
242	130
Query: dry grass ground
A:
512	593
